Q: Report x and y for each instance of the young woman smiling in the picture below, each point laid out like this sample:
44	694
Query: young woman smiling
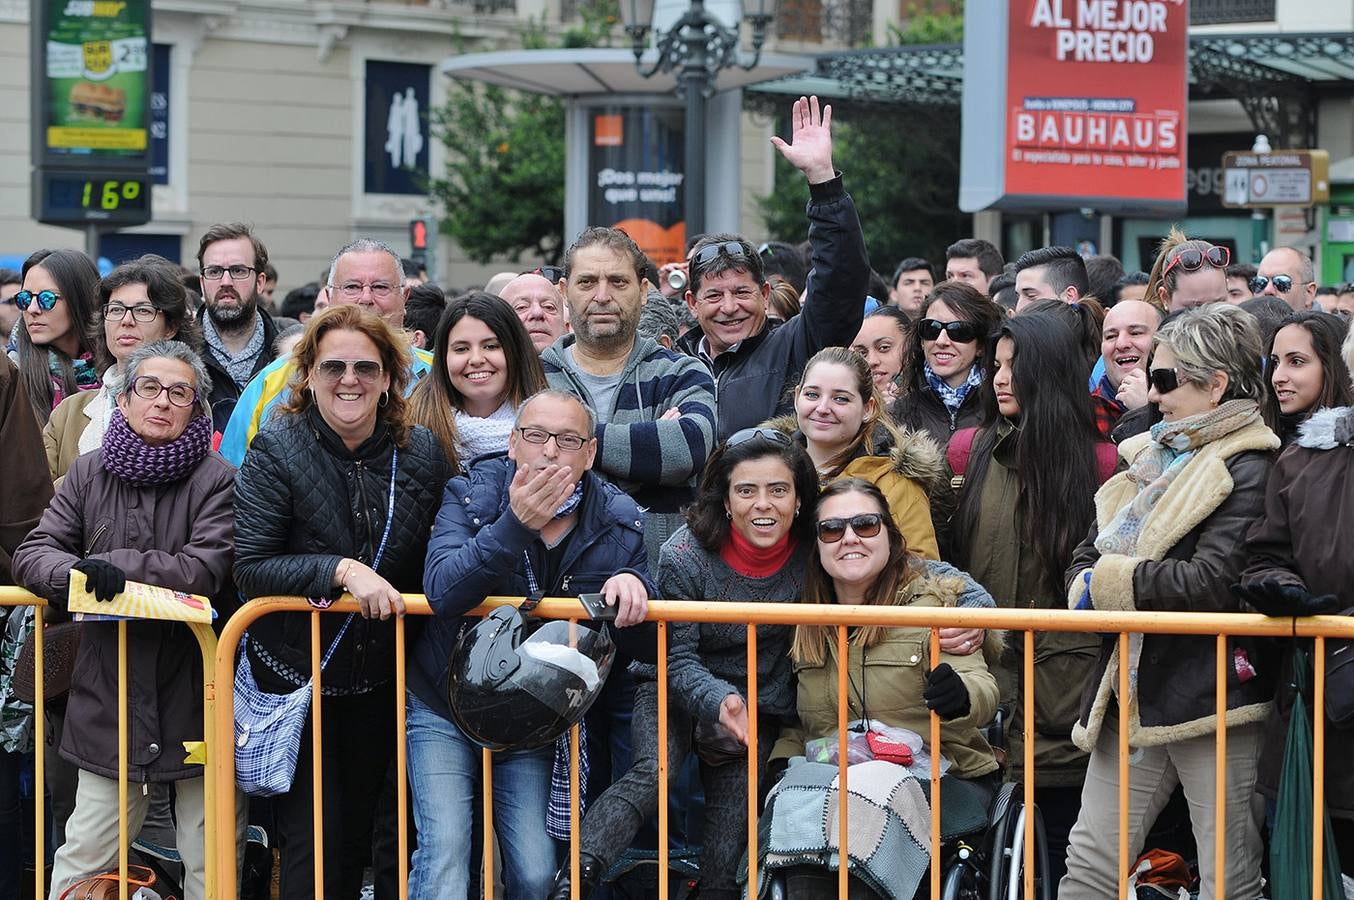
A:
839	418
1305	371
945	361
486	366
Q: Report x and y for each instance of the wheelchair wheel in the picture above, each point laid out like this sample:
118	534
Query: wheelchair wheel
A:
961	882
1006	850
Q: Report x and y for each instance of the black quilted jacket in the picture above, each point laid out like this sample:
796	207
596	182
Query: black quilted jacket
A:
303	502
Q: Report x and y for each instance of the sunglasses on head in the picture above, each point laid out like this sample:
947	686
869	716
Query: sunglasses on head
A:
46	299
959	332
732	249
1192	260
1282	283
551	274
865	525
770	435
1164	380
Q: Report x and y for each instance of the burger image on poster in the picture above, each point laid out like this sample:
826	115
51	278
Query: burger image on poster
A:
97	101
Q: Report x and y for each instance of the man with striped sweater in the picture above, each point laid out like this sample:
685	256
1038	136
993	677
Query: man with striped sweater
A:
655	408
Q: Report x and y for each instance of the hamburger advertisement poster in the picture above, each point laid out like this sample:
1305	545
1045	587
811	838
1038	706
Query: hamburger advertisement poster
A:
97	69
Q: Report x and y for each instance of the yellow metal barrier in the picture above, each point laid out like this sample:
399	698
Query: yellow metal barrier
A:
15	597
841	617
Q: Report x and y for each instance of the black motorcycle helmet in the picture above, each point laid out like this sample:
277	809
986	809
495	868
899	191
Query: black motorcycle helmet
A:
511	691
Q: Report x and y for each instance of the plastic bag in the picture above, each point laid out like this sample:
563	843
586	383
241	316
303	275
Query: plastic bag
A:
824	750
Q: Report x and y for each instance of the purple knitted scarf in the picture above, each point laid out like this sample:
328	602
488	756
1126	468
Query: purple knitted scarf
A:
129	457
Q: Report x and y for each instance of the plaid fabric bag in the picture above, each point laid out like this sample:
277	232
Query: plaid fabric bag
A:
268	727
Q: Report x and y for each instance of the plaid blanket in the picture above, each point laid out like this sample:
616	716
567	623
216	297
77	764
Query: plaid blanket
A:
888	825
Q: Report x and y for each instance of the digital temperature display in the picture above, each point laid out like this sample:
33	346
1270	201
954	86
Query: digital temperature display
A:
66	198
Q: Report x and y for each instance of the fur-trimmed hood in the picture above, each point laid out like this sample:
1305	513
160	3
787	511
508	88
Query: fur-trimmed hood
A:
1327	429
915	456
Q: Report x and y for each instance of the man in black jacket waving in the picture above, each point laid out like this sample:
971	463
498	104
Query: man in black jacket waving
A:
754	362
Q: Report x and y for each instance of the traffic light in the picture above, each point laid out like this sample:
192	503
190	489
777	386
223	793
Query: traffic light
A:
418	236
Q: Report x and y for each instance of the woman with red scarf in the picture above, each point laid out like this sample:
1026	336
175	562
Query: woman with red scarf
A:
747	538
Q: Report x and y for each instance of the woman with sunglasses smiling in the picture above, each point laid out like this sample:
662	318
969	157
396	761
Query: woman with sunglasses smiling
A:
337	495
1304	371
152	504
140	302
1169	536
892	680
51	343
747	537
1027	479
945	361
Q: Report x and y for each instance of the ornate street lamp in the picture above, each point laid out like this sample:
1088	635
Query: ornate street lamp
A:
697	47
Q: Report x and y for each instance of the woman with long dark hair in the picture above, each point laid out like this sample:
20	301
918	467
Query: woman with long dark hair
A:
484	367
946	358
51	343
1029	475
747	537
1304	371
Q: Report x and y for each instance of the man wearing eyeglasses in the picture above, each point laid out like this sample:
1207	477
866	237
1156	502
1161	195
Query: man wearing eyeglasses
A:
367	273
1286	273
535	522
754	362
238	334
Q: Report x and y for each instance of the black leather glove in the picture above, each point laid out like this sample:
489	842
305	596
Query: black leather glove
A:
946	693
1274	598
103	579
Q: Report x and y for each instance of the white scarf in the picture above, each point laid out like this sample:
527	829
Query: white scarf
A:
99	411
477	436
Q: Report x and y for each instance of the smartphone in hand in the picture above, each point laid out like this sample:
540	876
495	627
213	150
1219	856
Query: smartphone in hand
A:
597	607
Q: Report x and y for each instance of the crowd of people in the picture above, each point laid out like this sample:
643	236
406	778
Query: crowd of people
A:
1052	433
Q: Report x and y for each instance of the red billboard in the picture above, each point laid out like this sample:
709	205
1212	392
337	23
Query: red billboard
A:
1096	95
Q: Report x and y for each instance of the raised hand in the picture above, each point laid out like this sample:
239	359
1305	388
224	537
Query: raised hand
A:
810	147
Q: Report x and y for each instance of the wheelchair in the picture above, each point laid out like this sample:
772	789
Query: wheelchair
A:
986	865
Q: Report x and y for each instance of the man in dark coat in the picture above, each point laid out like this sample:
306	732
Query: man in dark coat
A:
537	521
753	361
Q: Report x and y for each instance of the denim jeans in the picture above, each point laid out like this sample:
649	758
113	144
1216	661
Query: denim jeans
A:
444	767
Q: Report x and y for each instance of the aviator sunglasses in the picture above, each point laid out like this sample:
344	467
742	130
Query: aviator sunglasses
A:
865	525
1282	283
